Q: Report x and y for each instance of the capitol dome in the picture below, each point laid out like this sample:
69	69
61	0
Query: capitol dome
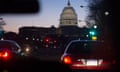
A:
68	16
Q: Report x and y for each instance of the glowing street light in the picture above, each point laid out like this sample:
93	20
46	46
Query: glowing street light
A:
95	26
106	13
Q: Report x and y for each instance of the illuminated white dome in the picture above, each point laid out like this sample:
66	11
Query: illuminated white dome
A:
68	16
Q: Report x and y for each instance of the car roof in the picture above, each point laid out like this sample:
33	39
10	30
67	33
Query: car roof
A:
9	41
87	40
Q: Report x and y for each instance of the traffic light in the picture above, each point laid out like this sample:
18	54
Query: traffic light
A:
93	34
94	37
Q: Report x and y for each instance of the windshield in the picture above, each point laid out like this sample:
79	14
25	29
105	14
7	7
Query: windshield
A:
44	28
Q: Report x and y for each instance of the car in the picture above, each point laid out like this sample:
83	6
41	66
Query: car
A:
88	55
9	50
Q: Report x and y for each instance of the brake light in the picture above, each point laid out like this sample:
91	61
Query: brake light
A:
5	55
47	40
67	60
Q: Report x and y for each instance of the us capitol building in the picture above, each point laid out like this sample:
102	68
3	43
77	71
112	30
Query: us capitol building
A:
68	26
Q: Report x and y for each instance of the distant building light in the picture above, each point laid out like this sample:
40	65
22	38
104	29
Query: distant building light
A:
87	35
2	38
41	40
37	39
46	46
33	38
55	47
26	38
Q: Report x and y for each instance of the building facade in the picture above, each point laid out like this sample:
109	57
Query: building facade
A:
68	26
68	16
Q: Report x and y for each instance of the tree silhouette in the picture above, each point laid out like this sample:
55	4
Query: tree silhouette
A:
10	36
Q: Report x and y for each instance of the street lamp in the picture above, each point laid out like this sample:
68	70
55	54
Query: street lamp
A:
95	26
106	13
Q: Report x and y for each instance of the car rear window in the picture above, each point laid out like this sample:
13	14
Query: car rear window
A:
84	47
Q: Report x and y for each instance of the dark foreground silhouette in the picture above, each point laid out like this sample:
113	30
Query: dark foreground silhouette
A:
28	64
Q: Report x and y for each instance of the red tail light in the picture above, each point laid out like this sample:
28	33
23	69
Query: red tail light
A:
67	60
5	55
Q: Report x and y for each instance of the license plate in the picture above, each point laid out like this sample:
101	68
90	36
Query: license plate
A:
91	63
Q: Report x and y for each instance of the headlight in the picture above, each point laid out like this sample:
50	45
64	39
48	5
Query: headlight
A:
27	49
